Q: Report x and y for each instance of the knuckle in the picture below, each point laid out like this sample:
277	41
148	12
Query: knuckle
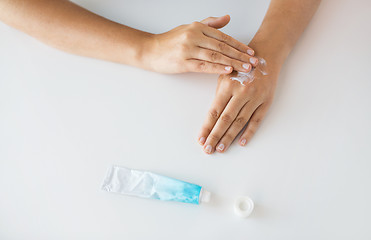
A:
252	88
214	114
213	56
240	120
187	35
206	129
201	66
228	137
195	24
183	48
214	68
262	94
235	63
226	118
247	90
222	46
242	56
214	137
225	37
257	120
227	86
250	132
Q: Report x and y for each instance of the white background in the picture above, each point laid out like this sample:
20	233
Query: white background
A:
65	119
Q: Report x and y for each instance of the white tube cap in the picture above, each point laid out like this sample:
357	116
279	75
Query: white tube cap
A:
243	206
204	196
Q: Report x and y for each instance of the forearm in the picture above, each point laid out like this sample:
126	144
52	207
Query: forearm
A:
283	24
69	27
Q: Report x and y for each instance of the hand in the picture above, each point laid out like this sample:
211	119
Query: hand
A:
198	47
234	106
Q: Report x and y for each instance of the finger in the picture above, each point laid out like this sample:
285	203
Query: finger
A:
228	51
216	57
201	66
216	22
253	124
237	125
216	109
222	37
222	124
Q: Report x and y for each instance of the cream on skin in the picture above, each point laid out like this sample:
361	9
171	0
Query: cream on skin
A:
237	109
248	77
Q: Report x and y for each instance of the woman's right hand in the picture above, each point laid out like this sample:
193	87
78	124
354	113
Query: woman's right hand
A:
198	47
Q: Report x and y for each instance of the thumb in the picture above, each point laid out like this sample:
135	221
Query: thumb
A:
217	22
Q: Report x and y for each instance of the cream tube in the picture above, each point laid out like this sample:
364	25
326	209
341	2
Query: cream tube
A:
150	185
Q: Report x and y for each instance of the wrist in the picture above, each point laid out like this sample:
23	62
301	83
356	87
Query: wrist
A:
144	50
273	57
271	48
133	50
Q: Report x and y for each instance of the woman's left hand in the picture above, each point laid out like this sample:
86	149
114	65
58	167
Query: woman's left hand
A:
234	106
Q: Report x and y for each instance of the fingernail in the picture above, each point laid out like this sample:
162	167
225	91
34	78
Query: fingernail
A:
208	149
254	60
246	66
243	142
221	147
250	52
228	69
201	140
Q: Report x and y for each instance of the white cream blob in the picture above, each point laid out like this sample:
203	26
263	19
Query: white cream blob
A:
250	76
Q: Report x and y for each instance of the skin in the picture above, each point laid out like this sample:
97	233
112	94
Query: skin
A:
196	47
235	105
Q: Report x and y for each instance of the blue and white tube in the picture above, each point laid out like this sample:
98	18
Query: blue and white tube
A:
150	185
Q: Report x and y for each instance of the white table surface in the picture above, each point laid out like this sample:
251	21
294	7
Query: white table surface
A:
65	119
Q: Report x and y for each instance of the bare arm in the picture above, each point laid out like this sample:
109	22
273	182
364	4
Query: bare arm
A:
65	25
188	48
236	105
282	26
